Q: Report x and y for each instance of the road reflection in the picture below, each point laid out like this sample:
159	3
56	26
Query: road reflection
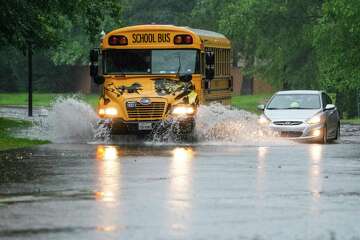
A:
315	170
109	180
109	172
261	170
180	186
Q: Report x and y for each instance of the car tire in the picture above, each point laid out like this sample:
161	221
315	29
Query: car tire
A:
324	138
337	136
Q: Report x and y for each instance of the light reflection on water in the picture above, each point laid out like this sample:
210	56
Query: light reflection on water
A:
180	186
315	170
109	173
261	170
180	168
109	177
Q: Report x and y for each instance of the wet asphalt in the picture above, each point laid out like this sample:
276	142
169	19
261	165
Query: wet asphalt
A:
181	191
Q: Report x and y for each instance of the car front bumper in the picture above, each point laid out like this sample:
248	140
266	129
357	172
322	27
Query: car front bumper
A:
303	131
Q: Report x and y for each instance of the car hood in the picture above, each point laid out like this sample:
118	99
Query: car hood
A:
290	114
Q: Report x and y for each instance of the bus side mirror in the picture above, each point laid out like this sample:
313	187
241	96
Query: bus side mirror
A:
185	78
94	68
210	67
94	55
99	79
209	58
209	72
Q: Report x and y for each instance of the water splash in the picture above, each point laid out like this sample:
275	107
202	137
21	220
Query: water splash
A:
220	123
69	120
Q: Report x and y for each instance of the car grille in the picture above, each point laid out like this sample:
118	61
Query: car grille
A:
290	134
287	123
154	110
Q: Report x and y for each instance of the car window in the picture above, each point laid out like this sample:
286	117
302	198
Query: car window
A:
295	101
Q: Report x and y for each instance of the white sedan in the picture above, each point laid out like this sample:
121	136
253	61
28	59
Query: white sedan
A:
302	114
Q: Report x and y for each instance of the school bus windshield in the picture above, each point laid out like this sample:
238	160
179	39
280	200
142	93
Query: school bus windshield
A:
136	61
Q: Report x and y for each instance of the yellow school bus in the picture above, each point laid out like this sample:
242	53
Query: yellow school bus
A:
153	74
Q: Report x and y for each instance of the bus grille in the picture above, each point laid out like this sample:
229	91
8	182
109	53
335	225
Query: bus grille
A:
153	110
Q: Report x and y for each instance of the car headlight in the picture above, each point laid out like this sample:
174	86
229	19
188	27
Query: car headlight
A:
183	110
314	120
263	120
108	111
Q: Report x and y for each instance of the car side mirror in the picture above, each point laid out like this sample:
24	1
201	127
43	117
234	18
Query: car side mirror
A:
329	107
261	107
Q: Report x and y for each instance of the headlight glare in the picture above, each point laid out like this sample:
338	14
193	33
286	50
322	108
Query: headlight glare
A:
108	111
183	110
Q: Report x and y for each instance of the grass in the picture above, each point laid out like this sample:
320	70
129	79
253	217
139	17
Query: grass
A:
351	121
41	99
250	102
7	126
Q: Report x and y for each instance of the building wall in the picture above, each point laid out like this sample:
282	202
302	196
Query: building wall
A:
261	87
257	86
237	80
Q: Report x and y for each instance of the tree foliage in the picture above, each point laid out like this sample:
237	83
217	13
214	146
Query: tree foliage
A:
47	23
289	43
337	37
275	39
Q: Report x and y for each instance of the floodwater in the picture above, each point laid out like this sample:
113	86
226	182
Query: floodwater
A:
95	191
230	184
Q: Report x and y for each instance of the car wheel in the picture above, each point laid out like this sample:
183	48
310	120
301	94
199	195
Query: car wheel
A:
324	139
337	132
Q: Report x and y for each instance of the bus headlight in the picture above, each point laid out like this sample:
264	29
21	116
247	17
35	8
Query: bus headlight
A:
183	110
108	111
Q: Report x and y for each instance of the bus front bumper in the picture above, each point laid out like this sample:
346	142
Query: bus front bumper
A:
119	126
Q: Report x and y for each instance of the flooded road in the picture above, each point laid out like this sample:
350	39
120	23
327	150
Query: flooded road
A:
170	191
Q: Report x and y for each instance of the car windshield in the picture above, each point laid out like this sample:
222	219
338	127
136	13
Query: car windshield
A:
136	61
295	101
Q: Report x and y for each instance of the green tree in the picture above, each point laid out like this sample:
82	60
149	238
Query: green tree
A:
275	39
60	32
337	37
